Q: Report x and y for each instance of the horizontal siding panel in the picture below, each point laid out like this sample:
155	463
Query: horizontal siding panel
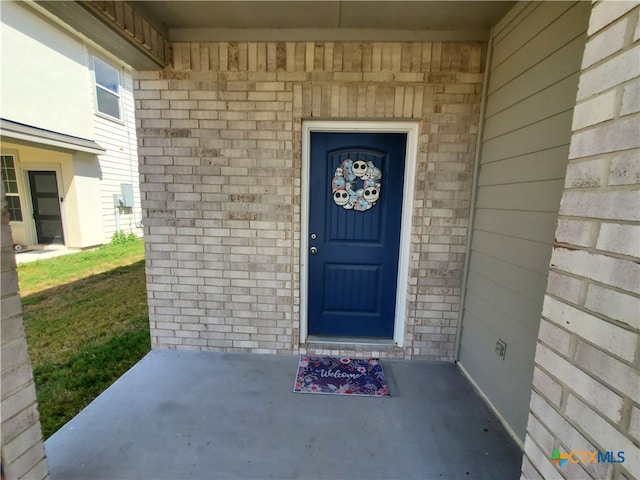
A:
115	182
116	178
535	226
533	79
514	278
110	130
563	63
512	19
527	254
514	306
510	328
534	167
552	132
116	145
116	159
113	185
483	358
119	156
520	358
114	134
499	384
120	164
557	34
538	19
556	99
534	196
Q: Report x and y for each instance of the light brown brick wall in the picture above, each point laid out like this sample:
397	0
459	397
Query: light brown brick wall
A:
220	148
22	452
586	388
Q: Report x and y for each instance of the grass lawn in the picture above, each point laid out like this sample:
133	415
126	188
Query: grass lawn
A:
86	323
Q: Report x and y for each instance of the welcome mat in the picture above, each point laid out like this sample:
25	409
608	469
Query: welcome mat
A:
341	376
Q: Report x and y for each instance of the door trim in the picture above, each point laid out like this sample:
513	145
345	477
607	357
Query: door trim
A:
58	199
43	167
411	129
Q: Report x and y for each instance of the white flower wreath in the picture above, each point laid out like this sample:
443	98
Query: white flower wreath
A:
356	185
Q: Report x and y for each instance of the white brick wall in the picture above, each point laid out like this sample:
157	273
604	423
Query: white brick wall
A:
220	144
22	450
586	388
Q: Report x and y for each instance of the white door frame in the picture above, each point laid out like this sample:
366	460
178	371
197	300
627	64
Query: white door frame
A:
412	130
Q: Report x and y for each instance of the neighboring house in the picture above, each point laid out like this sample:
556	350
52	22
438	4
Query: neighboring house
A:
504	230
68	146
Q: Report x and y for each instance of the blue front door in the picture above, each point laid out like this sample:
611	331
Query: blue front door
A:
354	232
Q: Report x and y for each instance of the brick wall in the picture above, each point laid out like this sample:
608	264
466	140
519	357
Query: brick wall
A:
21	437
586	389
220	147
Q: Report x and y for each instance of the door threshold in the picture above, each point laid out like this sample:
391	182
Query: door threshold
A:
351	340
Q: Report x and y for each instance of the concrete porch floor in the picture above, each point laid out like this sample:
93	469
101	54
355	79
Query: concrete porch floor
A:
199	415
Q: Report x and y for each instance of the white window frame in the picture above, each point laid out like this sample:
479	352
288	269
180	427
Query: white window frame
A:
98	86
15	194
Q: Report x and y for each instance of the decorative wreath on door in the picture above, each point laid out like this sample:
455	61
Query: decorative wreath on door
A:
356	185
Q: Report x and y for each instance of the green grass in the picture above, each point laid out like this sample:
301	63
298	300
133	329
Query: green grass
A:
43	274
86	322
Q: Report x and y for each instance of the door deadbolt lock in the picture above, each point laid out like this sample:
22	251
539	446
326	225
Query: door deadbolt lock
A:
313	250
313	236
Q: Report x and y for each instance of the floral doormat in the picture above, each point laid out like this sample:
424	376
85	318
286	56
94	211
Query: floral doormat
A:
341	376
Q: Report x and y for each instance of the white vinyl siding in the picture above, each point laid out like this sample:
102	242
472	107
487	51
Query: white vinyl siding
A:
537	49
120	164
83	92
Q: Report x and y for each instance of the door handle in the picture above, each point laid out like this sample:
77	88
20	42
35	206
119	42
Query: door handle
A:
313	250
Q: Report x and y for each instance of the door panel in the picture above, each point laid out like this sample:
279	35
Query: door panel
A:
46	207
353	272
340	296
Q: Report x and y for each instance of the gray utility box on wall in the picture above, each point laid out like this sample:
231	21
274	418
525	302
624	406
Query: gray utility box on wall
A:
125	198
126	190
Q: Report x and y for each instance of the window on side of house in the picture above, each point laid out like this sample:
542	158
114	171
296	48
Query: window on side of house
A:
107	80
10	180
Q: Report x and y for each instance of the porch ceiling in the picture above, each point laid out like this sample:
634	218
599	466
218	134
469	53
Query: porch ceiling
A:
321	20
140	32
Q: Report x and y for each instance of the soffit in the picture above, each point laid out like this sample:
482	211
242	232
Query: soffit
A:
81	18
289	20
